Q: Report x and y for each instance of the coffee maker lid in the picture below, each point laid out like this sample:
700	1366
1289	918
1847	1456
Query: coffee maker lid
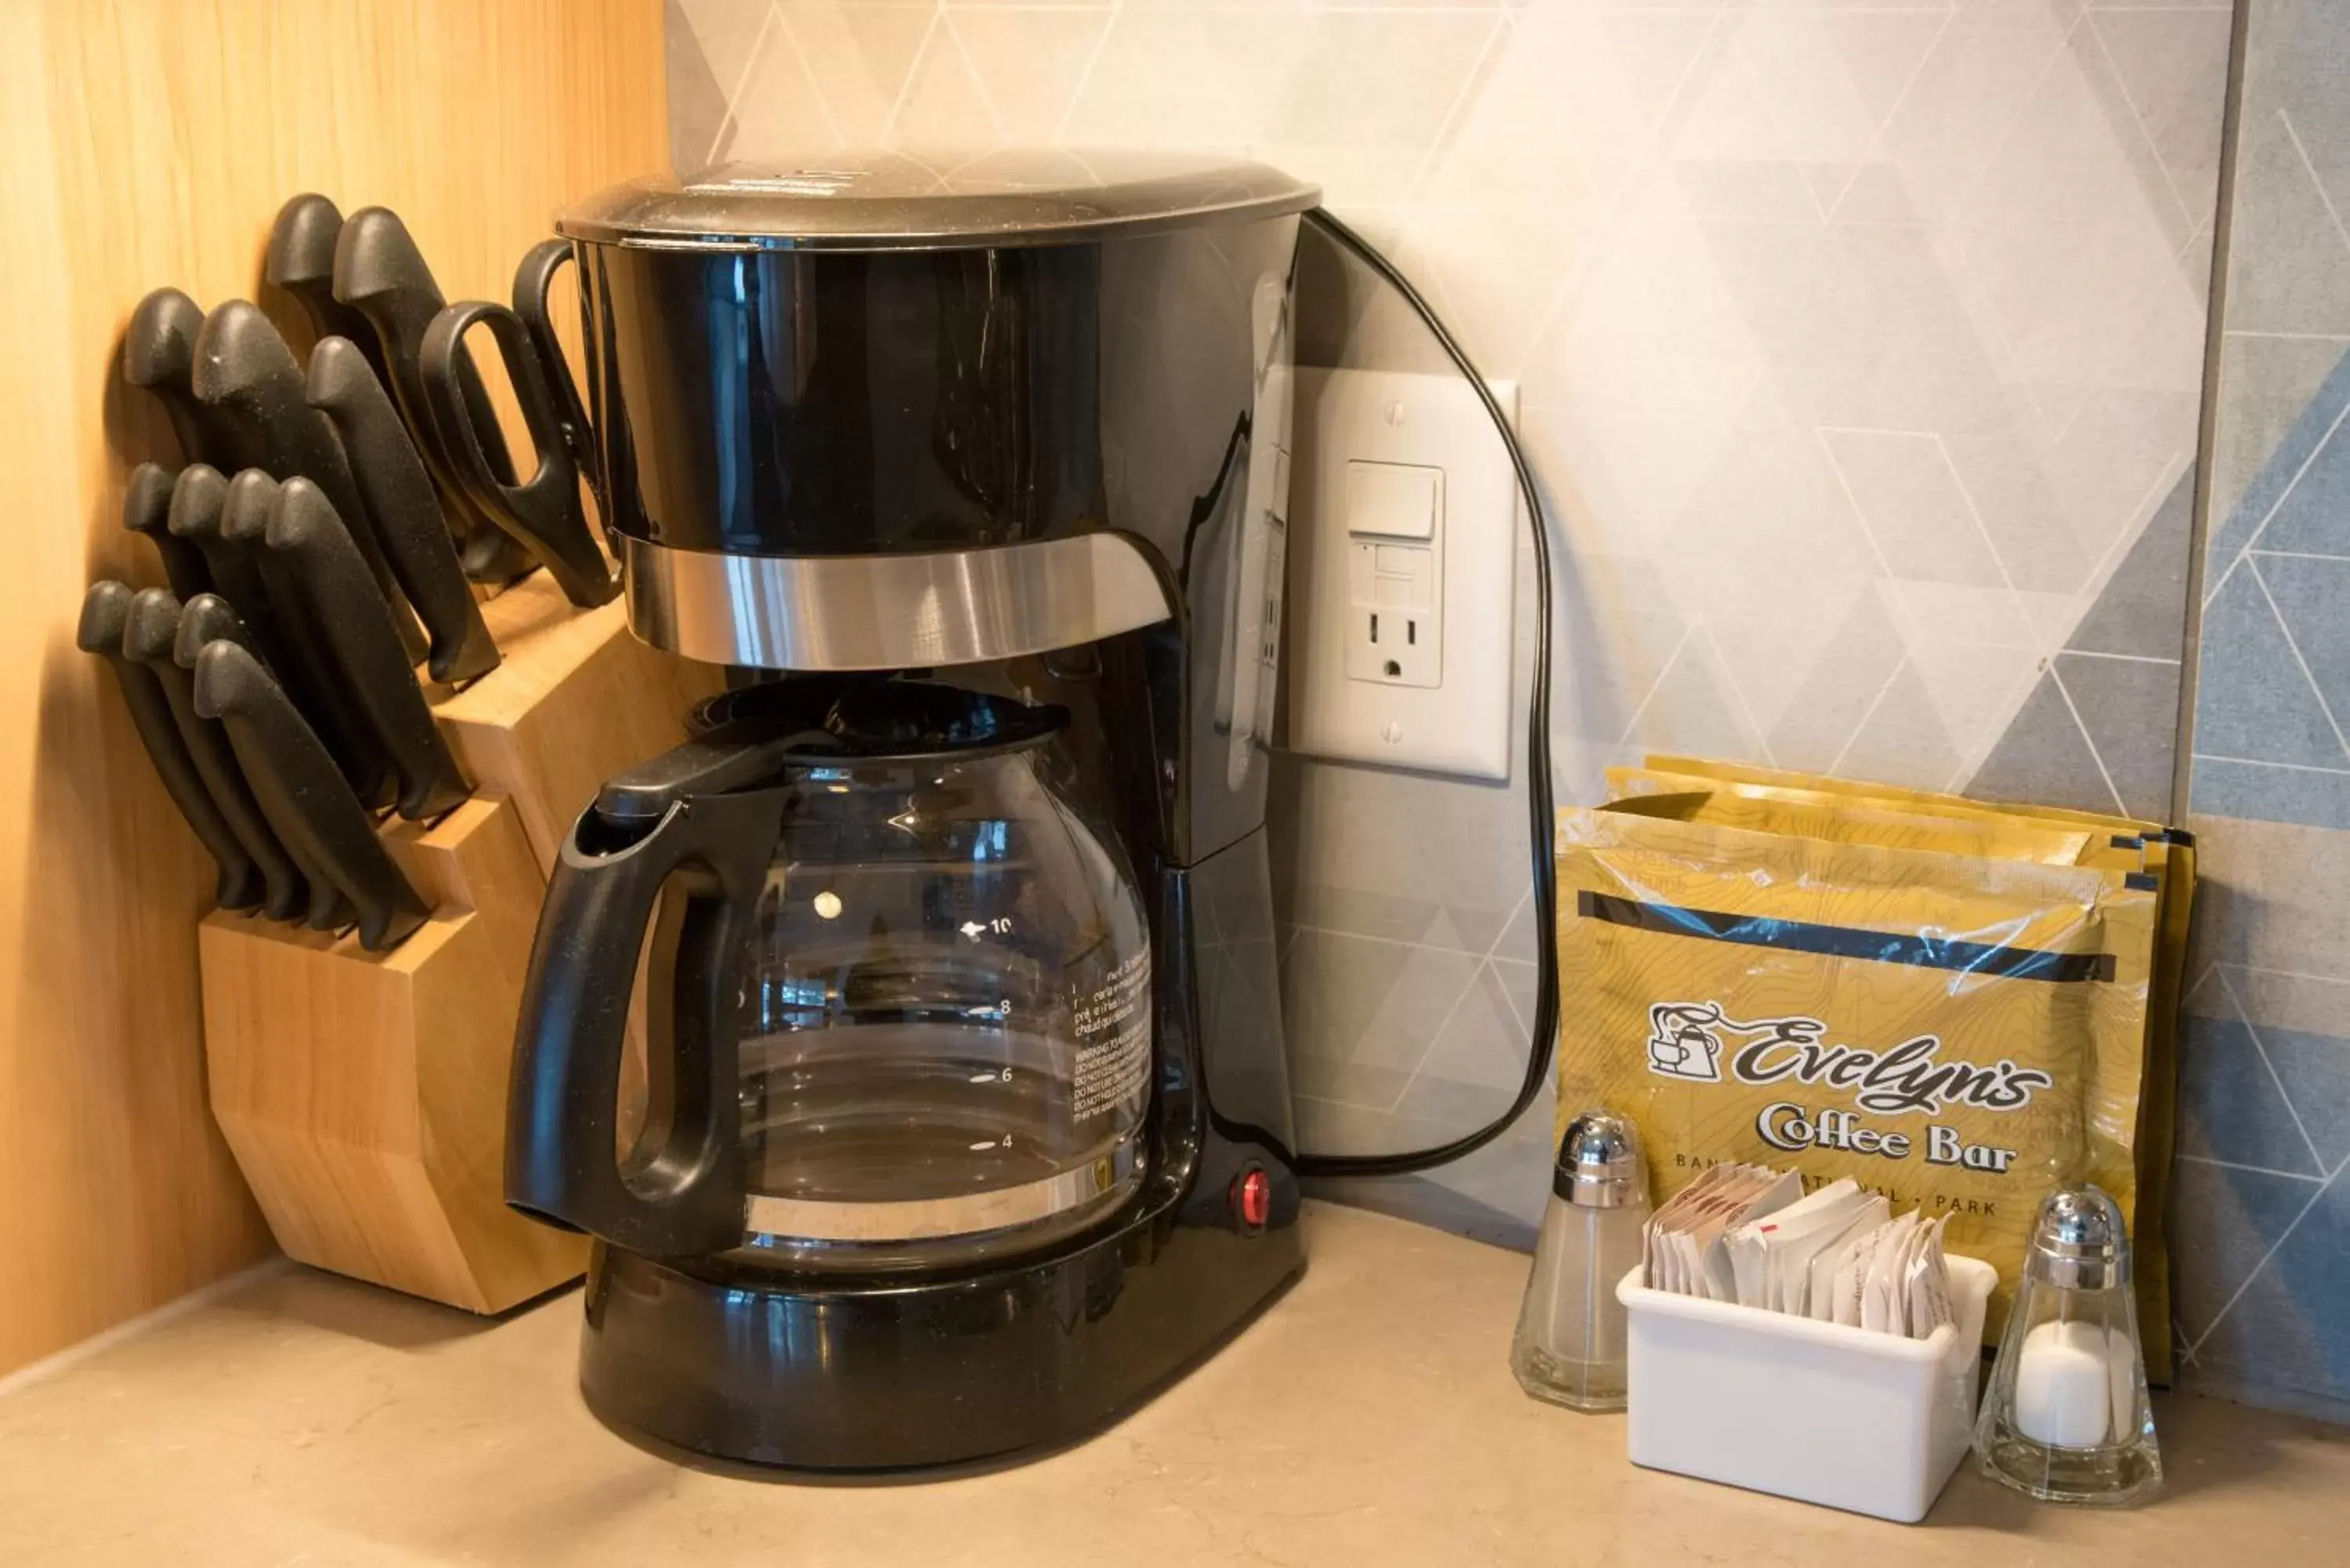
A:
877	200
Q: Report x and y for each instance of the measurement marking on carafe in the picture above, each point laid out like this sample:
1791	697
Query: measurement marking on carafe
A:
975	930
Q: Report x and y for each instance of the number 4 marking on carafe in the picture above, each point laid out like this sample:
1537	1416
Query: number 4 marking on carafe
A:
983	1145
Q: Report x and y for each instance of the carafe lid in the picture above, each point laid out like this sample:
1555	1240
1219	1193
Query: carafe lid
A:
896	200
745	738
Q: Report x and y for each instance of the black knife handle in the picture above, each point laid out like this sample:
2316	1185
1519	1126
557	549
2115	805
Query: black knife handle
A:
149	637
380	270
543	512
301	261
318	682
244	370
398	490
303	529
159	353
534	278
199	500
205	619
296	779
147	509
208	617
105	611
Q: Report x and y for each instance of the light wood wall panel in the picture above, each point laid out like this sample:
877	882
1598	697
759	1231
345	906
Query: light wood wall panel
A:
145	142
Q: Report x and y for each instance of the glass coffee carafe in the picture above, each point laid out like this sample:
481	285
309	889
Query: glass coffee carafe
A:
900	1012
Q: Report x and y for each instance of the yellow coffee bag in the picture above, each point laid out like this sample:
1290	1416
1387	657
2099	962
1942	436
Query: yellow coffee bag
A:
1959	1032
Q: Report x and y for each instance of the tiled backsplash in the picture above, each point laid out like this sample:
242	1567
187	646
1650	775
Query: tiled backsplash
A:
1860	347
2264	1203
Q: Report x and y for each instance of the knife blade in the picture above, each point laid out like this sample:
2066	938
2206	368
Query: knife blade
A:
324	567
105	611
380	272
208	618
149	634
245	373
301	261
308	666
159	353
398	490
147	509
543	512
297	781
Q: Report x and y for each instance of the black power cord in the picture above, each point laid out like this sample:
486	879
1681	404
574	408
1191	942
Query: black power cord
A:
1538	793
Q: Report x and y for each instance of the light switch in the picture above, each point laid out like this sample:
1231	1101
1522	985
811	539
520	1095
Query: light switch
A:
1397	500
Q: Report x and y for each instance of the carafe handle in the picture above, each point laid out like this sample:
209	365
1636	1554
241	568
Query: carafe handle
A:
562	1111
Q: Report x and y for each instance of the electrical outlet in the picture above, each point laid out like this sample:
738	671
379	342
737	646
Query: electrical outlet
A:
1403	544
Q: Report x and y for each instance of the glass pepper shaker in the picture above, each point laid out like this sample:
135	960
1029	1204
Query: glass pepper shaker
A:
2066	1419
1569	1347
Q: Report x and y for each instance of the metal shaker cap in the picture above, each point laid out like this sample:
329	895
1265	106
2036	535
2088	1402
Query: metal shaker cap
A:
1599	1164
2079	1242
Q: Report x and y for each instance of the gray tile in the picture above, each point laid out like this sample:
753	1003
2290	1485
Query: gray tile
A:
2142	608
2228	1106
2266	385
2315	513
2266	792
1372	1003
2315	1072
1903	739
2313	598
2268	489
2254	701
2289	1327
2043	758
1482	1044
2270	894
2174	65
697	99
2287	268
1834	699
2222	1223
2130	708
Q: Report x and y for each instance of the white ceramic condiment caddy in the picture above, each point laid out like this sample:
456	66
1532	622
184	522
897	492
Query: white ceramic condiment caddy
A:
1820	1412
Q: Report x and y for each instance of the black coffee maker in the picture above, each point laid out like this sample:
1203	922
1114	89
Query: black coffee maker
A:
967	1121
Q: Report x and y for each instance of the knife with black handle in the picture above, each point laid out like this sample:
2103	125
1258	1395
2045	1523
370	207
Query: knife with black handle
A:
301	261
398	490
149	635
297	783
208	617
308	666
159	353
205	619
324	567
105	611
147	509
543	512
245	372
199	500
379	271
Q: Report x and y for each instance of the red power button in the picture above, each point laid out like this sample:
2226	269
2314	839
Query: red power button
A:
1252	1197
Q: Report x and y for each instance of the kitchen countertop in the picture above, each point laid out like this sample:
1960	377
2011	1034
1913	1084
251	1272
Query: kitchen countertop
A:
1367	1418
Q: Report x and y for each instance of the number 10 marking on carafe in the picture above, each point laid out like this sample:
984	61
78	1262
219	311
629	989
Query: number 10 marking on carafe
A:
999	926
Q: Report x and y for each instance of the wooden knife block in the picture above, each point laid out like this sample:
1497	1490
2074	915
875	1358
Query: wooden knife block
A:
364	1094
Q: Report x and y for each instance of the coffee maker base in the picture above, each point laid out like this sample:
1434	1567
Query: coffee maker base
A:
1026	1357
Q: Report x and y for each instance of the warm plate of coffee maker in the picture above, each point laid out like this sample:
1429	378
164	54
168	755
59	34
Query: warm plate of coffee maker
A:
968	1121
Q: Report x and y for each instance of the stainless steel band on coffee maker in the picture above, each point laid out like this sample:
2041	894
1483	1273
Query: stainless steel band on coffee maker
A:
889	612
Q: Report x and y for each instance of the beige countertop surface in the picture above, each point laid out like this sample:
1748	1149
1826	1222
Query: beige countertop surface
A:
1369	1418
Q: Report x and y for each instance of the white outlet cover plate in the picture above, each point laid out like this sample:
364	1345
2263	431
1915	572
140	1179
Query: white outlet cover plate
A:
1461	724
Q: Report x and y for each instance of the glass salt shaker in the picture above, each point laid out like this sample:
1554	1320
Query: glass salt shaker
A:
2066	1419
1569	1347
